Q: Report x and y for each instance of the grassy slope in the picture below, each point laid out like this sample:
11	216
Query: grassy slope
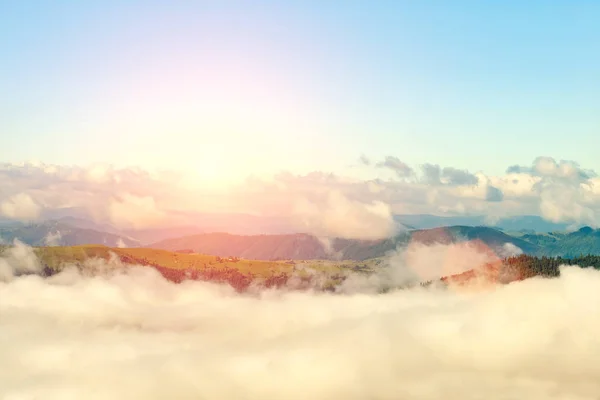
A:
57	257
177	266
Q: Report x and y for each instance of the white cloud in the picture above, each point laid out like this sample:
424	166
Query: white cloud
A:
395	164
560	204
155	340
20	207
53	238
516	185
510	250
335	215
560	191
419	262
130	211
17	259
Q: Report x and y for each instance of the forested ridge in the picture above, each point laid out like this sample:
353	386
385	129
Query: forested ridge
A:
549	266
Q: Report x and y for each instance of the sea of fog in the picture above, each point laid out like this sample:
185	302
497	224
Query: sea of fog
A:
133	335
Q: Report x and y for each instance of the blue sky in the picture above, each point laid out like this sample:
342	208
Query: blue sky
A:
255	87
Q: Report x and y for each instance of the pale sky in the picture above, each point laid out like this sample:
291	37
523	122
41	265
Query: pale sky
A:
225	89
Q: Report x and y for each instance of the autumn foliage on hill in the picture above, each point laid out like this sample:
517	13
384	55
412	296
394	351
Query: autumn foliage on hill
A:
496	272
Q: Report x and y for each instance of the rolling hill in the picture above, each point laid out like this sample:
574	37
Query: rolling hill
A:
243	274
53	233
68	231
532	223
307	247
561	244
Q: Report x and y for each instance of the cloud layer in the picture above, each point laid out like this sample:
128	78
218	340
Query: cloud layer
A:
133	335
131	198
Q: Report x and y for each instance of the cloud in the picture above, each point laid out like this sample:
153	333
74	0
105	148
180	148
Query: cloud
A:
565	191
455	176
53	239
548	167
364	160
560	191
563	204
153	340
419	262
509	250
20	207
130	211
18	259
335	215
400	168
433	174
493	194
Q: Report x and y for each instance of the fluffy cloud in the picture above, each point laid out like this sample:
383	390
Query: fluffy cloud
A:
559	191
435	175
480	188
335	215
548	167
53	238
400	168
130	211
68	335
566	192
364	160
455	176
20	207
104	193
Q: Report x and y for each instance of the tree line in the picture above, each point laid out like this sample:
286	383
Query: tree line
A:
549	266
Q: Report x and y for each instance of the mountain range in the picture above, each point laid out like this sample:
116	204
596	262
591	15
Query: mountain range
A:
531	223
55	233
303	246
520	233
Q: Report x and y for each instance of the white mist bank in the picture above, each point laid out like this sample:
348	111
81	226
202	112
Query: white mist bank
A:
133	335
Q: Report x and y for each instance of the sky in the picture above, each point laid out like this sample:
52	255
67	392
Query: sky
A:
220	91
298	85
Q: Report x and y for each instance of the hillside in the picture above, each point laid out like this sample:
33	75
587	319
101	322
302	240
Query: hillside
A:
265	247
177	267
53	233
582	242
71	231
532	223
307	247
241	274
493	238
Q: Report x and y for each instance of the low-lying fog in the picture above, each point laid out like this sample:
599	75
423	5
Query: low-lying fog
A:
133	335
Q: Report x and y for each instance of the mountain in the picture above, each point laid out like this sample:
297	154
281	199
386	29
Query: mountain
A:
85	223
529	222
512	224
189	223
307	247
568	245
147	236
54	233
258	247
491	237
240	224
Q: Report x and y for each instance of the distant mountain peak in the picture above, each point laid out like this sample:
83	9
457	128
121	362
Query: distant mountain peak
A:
586	230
